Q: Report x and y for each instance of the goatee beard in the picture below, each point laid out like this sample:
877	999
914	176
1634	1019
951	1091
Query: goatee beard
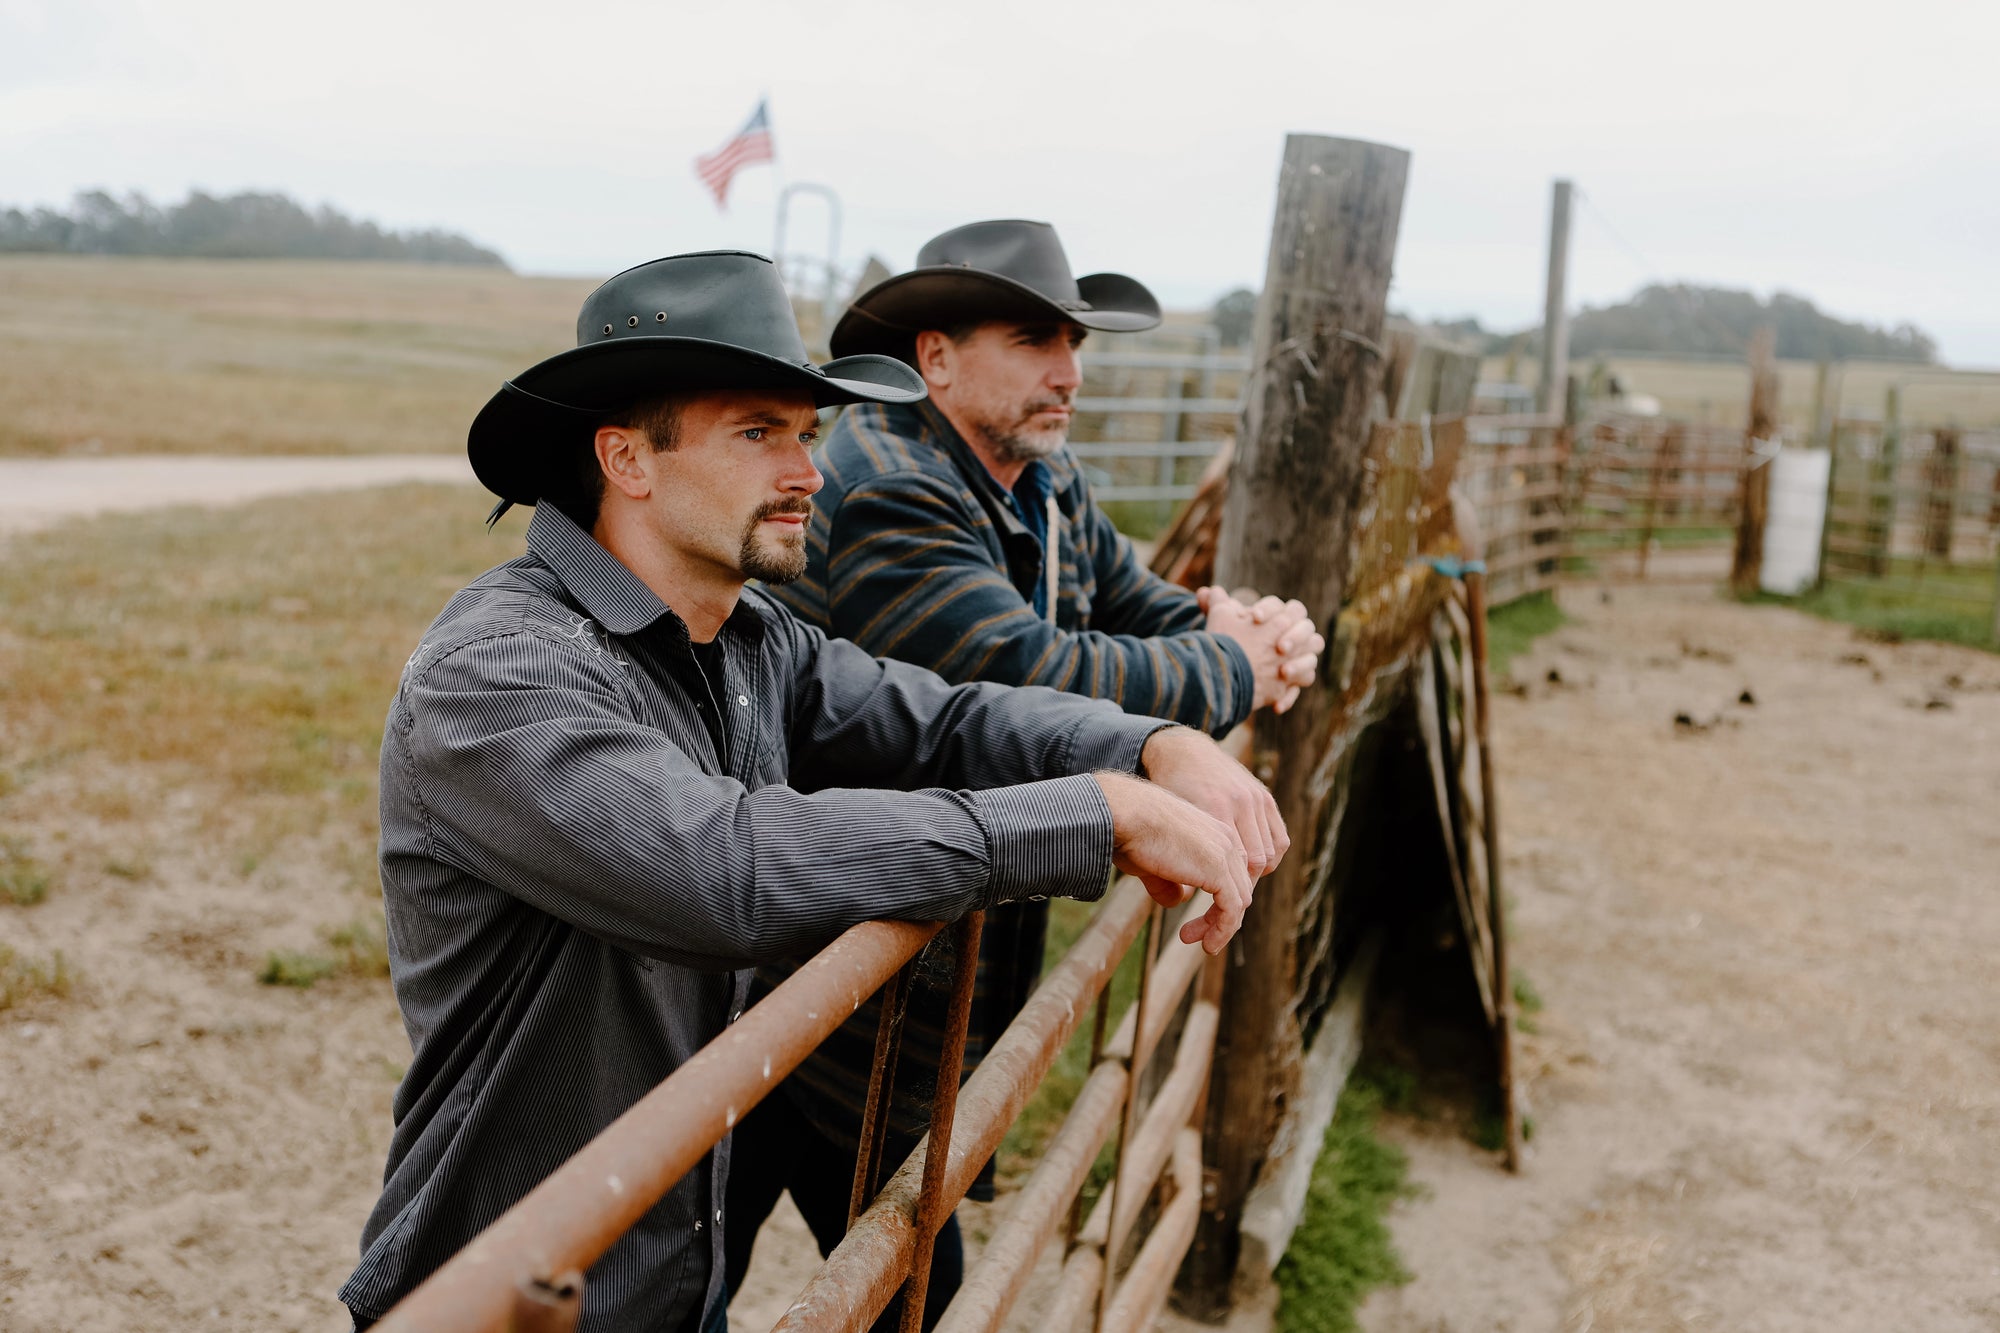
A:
758	560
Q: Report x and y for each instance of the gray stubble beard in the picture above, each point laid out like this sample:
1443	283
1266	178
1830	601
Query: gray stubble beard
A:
1017	446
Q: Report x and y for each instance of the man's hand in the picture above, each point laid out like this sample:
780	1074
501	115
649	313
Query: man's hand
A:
1194	768
1282	644
1172	847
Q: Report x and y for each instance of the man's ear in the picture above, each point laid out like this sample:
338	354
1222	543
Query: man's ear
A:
935	359
618	454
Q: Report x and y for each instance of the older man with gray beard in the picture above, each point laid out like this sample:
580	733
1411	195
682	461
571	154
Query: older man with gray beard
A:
960	534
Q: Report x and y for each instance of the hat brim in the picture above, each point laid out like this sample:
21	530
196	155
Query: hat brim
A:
884	319
522	442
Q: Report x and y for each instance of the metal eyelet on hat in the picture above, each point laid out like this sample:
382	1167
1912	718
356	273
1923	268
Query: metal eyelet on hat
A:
660	318
631	321
607	328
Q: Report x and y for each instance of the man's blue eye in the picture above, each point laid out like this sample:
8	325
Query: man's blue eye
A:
754	433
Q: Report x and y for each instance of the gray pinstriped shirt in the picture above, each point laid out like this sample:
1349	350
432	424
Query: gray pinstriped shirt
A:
571	870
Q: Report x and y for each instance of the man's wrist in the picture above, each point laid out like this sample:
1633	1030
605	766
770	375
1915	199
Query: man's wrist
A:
1160	745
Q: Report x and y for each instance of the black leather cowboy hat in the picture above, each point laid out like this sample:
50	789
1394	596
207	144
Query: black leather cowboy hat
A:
989	270
719	319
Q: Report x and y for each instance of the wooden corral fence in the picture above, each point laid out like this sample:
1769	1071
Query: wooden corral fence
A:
1613	498
1406	662
1915	514
1513	473
1640	491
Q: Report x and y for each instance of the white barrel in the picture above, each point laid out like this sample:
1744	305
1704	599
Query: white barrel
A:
1795	519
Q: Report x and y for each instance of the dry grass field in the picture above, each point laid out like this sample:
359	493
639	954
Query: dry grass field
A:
119	355
1718	391
105	354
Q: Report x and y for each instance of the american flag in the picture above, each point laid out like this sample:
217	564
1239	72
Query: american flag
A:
751	145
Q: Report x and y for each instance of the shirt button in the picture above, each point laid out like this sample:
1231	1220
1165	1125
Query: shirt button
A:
743	699
697	1224
718	1217
738	1014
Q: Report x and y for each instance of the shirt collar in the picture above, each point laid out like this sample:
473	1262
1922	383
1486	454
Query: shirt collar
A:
609	592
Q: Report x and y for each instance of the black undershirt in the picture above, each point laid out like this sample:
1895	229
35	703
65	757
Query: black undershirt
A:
715	708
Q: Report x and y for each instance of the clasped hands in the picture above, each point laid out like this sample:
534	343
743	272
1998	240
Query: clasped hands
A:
1283	646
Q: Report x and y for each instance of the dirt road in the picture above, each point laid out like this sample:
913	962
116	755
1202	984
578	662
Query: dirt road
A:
35	492
1766	1087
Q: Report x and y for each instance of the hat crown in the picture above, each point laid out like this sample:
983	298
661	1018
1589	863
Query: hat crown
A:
1030	253
724	296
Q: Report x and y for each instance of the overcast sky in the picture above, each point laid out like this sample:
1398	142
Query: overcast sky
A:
1847	152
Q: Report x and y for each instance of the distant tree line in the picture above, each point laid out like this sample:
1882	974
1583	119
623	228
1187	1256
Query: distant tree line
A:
237	226
1674	320
1683	318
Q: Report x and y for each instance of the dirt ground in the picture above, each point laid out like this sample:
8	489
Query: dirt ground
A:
1764	1089
1766	1085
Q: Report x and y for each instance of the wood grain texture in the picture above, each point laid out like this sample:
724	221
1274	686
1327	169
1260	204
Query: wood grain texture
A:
1316	375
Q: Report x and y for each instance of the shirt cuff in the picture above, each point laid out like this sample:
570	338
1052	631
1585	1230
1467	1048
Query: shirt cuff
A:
1046	839
1110	738
1242	685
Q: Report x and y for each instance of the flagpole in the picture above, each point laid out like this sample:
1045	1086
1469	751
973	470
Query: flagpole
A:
777	179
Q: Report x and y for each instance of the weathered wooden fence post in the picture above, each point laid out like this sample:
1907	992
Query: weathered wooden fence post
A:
1755	491
1884	475
1941	493
1315	372
1554	382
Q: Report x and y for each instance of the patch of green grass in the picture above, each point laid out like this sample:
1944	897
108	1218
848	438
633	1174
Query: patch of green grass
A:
1662	538
288	967
1958	608
362	946
1043	1115
1395	1085
358	949
1141	520
24	881
23	978
1343	1249
1527	1003
1513	628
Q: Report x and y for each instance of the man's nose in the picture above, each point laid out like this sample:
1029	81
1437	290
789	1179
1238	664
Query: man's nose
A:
1066	369
802	477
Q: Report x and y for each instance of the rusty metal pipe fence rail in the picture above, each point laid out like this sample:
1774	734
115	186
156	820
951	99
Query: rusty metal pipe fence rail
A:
524	1272
537	1249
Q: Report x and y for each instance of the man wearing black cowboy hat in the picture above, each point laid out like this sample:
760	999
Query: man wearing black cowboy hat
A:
959	534
611	775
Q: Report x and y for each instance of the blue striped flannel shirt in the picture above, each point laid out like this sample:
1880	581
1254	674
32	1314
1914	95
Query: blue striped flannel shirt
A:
916	552
571	867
